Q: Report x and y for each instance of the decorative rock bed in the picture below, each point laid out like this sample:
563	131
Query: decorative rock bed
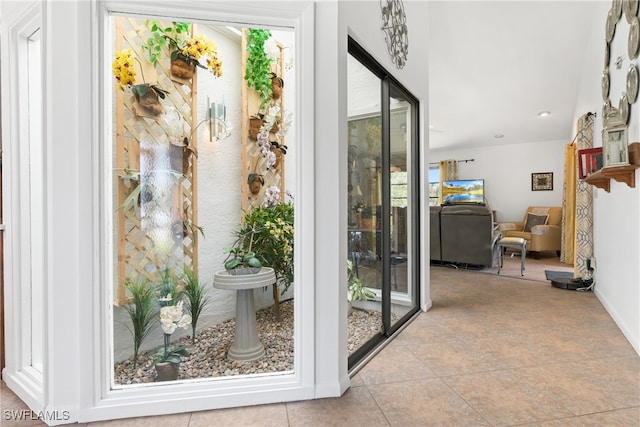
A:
208	353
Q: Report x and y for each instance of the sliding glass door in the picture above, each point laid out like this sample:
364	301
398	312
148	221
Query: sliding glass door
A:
382	204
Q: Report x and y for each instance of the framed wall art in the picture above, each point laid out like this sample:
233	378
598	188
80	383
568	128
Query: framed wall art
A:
614	146
542	181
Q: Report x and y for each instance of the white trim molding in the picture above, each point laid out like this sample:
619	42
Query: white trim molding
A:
100	400
19	22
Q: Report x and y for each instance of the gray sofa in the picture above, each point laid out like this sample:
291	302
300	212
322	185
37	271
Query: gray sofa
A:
434	227
463	234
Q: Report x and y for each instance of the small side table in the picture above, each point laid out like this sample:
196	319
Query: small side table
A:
246	344
513	243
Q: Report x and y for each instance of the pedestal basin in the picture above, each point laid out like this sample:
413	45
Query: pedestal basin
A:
246	344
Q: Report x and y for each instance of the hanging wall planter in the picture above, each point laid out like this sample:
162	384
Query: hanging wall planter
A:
279	155
279	150
255	123
277	84
255	181
148	99
179	154
182	66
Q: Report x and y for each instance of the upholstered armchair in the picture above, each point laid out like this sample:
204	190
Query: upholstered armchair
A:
540	228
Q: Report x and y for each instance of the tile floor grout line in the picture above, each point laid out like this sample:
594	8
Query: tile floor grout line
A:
378	404
286	410
465	401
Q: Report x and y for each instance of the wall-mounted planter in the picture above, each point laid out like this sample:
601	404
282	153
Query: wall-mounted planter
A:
277	84
181	66
255	123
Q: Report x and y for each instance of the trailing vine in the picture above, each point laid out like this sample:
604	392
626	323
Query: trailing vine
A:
258	67
164	37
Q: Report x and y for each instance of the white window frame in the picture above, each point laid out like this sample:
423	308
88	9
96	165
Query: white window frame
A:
206	393
25	261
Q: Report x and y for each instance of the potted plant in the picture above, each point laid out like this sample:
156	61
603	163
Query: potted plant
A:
147	95
279	150
255	125
274	121
188	54
272	238
255	181
185	53
196	297
168	357
355	290
179	154
141	312
241	258
277	85
162	37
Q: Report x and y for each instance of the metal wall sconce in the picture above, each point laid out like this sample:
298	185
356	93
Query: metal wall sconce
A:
219	128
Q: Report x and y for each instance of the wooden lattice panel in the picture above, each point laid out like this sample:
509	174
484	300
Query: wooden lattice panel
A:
153	231
252	159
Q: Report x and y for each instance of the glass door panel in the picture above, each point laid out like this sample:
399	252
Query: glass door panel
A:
382	204
400	216
364	201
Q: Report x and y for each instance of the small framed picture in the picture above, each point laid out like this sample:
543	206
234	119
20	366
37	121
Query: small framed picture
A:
542	181
614	147
589	161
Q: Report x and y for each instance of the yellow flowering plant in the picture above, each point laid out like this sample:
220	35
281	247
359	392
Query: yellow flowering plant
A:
123	69
197	47
125	74
190	50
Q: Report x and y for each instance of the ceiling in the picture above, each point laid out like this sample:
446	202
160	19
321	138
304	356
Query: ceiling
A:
494	65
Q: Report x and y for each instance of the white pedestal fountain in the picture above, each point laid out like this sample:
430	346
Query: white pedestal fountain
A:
246	344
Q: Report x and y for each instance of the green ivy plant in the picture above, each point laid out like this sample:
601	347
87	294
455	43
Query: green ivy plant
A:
163	37
258	66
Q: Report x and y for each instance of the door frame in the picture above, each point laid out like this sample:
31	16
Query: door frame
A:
389	86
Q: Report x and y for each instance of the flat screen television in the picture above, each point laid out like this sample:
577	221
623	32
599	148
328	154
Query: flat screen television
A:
460	191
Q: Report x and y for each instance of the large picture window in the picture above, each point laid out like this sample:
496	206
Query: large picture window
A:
202	200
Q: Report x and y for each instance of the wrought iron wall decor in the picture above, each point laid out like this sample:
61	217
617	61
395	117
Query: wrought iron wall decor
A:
394	25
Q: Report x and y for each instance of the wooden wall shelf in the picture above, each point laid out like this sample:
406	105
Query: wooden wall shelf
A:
624	174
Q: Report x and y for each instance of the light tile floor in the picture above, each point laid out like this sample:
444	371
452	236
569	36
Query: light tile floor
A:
493	351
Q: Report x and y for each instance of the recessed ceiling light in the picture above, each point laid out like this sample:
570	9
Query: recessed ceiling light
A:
499	135
544	113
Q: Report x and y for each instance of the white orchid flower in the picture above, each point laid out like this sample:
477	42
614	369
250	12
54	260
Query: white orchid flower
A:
171	318
169	327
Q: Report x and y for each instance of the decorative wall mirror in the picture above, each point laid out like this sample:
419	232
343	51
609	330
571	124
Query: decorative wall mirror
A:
620	75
